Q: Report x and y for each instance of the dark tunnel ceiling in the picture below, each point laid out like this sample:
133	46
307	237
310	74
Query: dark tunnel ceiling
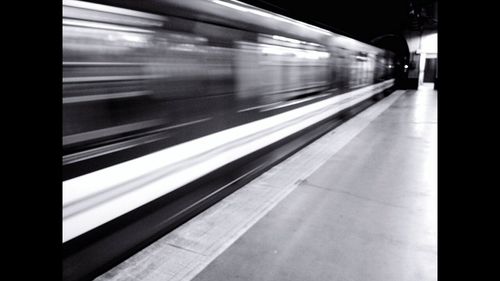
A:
362	20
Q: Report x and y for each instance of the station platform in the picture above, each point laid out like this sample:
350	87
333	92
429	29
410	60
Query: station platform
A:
359	203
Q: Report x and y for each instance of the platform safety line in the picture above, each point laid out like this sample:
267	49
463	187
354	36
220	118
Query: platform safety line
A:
186	251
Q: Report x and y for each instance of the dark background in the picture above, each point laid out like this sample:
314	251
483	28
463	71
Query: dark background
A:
363	20
383	23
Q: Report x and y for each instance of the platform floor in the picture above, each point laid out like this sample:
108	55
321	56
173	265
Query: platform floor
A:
367	211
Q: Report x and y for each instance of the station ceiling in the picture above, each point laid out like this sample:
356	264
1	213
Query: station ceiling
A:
362	20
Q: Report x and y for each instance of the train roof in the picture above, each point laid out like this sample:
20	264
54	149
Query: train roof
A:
244	16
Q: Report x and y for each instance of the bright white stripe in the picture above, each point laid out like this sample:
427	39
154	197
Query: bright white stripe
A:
86	79
222	148
293	102
109	131
91	24
101	63
259	106
121	95
280	104
110	9
267	14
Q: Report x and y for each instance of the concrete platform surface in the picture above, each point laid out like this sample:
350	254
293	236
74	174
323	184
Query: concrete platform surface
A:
368	213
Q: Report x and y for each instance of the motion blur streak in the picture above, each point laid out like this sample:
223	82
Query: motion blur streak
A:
159	96
142	180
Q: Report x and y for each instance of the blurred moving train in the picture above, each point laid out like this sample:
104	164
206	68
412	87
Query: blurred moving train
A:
168	104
